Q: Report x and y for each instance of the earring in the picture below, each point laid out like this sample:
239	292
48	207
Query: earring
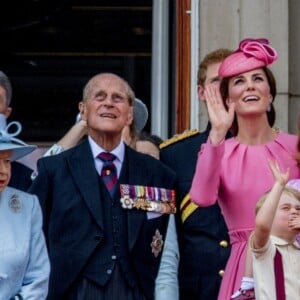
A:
269	107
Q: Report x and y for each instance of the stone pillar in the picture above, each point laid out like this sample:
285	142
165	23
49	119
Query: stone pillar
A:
225	23
294	62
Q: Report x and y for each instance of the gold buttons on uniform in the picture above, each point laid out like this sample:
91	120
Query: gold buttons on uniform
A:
224	243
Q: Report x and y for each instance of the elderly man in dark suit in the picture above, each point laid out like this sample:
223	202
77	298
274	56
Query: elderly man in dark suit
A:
101	247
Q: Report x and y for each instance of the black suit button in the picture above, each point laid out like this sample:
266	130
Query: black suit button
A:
98	238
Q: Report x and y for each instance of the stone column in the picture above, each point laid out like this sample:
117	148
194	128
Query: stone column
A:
225	23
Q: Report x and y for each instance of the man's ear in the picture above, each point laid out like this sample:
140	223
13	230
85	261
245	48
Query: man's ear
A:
200	92
130	116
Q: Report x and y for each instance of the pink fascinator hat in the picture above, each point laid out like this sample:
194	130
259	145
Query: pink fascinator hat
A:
294	183
251	54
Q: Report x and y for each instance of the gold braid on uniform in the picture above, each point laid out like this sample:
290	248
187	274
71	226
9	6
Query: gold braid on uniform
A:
178	137
187	207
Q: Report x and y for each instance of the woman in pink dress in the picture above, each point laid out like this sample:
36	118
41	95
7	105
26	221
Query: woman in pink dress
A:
237	171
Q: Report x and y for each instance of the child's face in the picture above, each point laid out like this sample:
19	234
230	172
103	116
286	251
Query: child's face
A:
286	223
5	168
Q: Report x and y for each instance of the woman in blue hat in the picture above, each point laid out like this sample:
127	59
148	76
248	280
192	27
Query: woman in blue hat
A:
24	263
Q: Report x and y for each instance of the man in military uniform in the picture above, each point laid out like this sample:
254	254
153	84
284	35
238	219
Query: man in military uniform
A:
202	232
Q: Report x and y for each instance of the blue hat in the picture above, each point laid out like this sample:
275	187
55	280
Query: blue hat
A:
140	114
9	142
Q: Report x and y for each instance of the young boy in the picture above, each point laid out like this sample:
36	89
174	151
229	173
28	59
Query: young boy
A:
276	254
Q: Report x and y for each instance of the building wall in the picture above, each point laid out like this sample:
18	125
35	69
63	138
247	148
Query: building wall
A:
225	23
294	63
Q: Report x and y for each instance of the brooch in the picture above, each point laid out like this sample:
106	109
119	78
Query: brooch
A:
14	203
157	243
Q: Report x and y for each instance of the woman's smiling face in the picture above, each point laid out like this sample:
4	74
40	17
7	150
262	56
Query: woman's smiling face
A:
250	91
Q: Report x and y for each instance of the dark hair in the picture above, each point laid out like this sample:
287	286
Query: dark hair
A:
154	139
5	83
271	115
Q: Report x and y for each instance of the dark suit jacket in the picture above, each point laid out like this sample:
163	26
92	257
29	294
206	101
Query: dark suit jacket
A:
203	239
68	188
20	176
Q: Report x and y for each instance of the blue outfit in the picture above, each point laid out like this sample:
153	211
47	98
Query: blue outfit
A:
166	286
90	236
24	263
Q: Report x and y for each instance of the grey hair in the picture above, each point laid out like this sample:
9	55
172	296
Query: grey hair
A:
5	83
130	92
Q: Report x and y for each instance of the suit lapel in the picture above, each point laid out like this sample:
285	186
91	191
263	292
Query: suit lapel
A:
82	166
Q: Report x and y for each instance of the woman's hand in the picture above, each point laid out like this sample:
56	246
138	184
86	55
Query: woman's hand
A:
221	119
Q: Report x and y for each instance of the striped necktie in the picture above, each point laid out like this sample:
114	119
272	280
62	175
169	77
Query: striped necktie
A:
109	171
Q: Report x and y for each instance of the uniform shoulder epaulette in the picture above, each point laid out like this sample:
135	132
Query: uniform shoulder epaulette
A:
178	137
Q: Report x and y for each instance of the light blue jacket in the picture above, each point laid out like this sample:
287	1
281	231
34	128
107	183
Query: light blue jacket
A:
24	262
166	284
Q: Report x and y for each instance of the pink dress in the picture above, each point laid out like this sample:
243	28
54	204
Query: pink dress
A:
238	175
